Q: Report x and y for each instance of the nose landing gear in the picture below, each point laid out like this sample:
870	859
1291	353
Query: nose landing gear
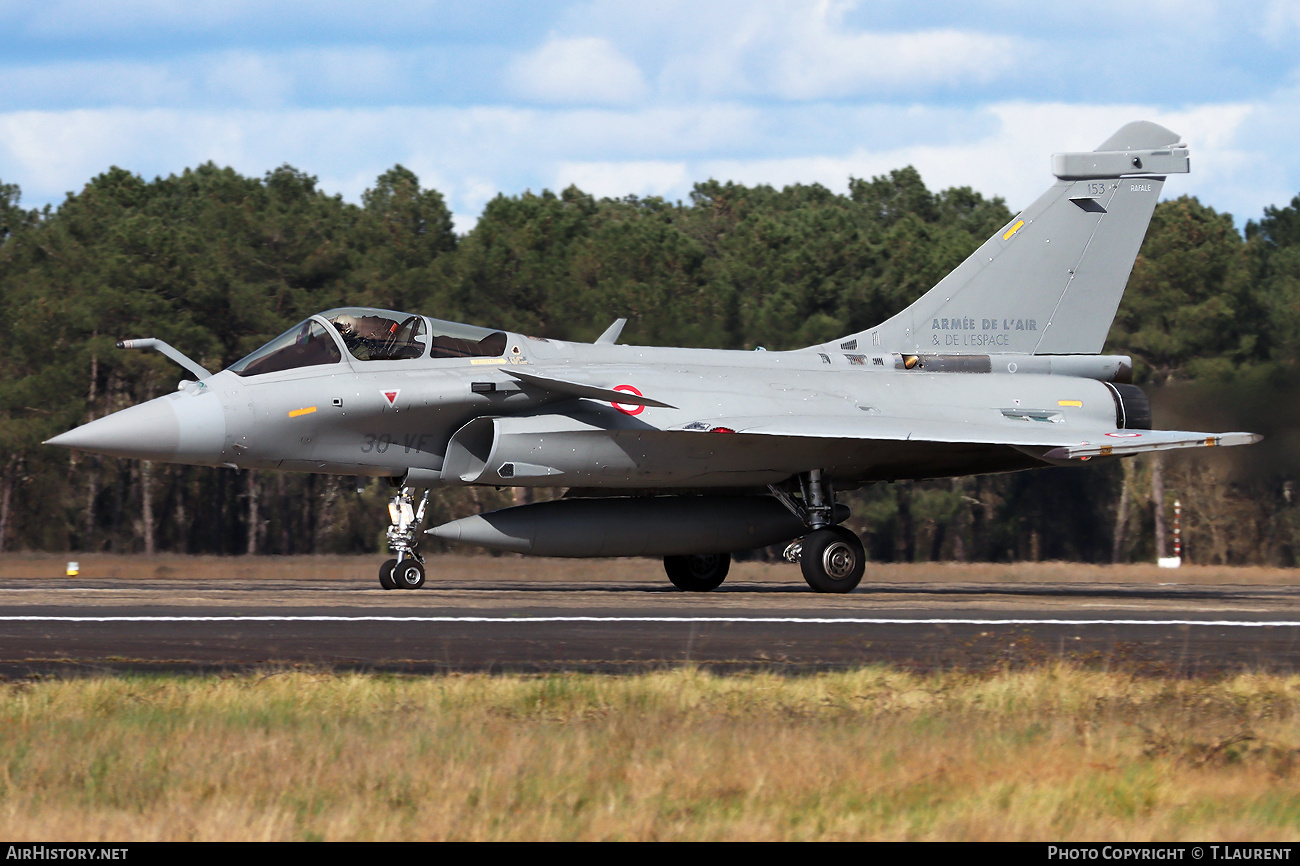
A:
406	571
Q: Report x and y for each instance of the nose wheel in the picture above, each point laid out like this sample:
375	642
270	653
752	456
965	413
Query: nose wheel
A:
409	574
406	570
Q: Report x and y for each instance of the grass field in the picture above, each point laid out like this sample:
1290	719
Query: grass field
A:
1047	751
1053	753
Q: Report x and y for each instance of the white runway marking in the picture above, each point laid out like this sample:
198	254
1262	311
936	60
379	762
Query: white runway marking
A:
792	620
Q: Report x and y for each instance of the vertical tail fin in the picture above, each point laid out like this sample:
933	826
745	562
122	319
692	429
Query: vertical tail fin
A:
1050	281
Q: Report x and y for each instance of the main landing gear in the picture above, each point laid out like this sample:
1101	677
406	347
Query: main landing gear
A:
698	572
406	571
831	557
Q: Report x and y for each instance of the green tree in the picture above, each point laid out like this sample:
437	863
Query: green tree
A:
517	257
1190	309
401	233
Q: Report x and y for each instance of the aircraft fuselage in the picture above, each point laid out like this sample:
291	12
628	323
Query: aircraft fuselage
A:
628	430
475	421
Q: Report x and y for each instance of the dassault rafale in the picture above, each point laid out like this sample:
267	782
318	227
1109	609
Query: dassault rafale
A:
694	454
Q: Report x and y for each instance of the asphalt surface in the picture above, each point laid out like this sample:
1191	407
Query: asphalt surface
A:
74	627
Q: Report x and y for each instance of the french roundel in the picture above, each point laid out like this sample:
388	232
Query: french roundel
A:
628	408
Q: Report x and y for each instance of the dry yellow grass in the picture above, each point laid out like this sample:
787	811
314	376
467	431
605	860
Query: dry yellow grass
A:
1051	754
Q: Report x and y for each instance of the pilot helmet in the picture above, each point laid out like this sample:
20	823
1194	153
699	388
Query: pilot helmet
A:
346	324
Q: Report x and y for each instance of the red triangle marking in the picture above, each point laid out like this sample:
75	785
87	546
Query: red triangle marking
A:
391	396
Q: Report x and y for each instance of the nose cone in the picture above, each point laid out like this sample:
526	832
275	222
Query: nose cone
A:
149	431
178	428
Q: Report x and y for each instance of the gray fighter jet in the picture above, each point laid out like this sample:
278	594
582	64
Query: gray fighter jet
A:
691	454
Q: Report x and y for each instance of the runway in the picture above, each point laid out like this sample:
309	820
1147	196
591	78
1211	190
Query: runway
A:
80	626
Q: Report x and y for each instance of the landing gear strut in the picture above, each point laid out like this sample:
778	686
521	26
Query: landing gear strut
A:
831	557
406	571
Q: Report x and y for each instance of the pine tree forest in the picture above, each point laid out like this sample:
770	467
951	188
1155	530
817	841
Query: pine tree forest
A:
217	264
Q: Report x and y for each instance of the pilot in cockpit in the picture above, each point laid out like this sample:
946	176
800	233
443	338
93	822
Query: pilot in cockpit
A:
347	328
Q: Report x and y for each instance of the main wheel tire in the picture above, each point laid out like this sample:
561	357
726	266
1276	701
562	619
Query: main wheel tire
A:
698	572
409	574
386	574
832	560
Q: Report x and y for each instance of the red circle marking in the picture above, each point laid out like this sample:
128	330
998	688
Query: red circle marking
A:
628	408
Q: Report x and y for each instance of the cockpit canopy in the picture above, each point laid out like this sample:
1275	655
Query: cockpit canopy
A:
368	334
306	344
379	335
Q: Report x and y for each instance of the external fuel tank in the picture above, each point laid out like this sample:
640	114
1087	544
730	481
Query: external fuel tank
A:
631	526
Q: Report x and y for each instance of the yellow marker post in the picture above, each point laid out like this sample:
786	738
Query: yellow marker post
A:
74	568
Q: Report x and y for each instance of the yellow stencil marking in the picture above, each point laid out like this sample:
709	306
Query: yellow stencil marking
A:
307	411
477	361
1107	450
1006	235
1078	404
1210	441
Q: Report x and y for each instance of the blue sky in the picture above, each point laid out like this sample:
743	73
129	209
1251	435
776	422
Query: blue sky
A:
489	96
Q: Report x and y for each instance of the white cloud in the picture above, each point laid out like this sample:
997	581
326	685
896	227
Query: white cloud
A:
1013	161
582	70
642	98
614	179
806	50
1280	22
1241	154
818	60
